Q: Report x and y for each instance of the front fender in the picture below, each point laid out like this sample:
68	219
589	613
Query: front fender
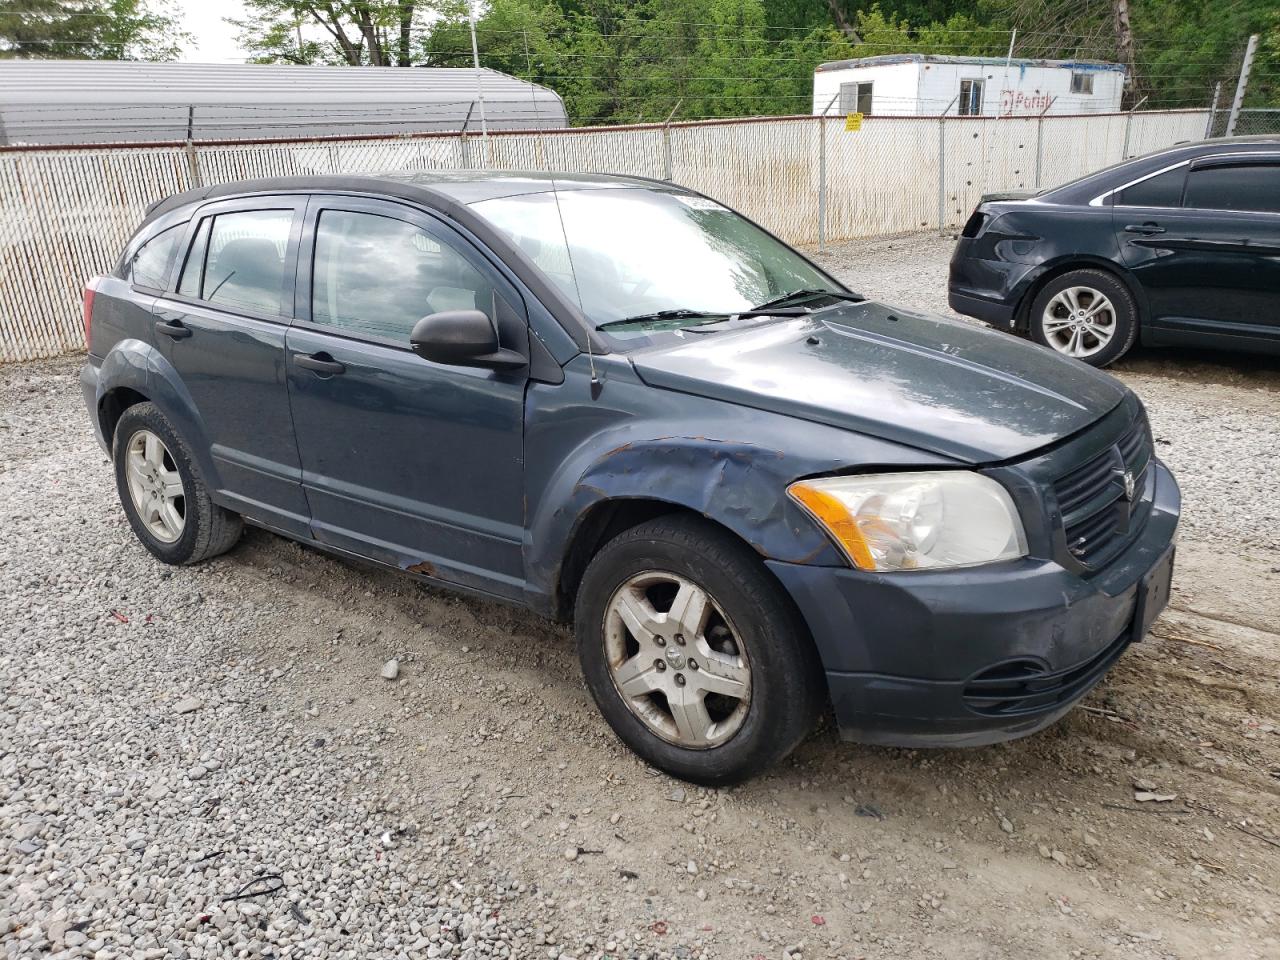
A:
139	366
730	464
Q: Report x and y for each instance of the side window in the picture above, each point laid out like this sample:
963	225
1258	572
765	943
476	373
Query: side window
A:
970	103
237	260
1081	82
150	264
1162	190
378	276
1253	187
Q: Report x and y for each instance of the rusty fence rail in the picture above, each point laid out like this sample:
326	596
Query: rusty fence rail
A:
65	213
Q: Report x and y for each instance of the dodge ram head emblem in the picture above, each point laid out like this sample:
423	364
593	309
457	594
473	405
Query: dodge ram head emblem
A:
1129	484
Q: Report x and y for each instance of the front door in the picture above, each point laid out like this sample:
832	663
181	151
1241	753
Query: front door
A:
406	461
1209	260
222	328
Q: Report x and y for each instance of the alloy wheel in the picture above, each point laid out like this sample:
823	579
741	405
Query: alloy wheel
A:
676	660
155	486
1079	322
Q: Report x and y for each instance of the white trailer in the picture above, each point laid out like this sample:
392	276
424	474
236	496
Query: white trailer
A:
924	85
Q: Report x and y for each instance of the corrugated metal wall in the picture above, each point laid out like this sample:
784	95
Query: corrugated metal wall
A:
66	214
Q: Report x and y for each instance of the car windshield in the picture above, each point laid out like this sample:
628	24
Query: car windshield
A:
666	258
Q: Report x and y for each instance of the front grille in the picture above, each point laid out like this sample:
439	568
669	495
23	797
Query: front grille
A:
1023	687
1096	513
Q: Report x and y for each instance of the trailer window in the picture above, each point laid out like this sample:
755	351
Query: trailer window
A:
1081	82
970	98
855	98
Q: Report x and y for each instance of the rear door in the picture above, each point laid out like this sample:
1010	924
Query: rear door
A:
410	462
1203	239
222	327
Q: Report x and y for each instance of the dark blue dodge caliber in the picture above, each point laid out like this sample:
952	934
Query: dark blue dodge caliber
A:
617	402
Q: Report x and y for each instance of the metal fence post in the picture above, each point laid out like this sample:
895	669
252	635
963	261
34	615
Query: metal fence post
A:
822	175
1040	143
193	161
1243	83
942	165
466	147
1128	122
666	142
1213	110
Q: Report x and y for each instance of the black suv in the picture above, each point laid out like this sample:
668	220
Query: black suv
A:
1176	247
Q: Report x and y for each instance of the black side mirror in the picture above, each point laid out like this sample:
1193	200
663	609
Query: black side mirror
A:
462	338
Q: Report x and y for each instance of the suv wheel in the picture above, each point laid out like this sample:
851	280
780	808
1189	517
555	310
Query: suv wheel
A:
167	504
693	654
1085	314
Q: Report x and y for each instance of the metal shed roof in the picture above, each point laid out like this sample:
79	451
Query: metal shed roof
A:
85	101
893	58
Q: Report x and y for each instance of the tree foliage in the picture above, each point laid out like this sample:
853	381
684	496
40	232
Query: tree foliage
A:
375	33
90	30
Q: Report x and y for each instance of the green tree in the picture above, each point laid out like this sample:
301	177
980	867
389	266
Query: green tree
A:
375	33
91	30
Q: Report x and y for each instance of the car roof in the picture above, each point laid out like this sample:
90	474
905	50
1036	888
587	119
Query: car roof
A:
1085	188
439	189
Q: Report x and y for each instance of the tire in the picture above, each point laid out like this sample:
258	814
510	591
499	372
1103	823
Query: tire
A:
206	529
749	619
1050	319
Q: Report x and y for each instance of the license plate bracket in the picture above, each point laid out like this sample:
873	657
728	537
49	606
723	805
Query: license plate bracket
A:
1152	595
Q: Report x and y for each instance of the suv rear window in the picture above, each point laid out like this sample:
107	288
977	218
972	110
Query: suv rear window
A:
237	260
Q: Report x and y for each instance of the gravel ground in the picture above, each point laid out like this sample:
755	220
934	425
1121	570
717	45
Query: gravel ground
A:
172	739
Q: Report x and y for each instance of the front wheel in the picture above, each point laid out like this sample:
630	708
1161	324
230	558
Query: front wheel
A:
693	652
1088	315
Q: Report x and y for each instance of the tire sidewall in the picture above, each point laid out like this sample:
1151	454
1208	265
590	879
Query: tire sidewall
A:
762	627
145	416
1121	300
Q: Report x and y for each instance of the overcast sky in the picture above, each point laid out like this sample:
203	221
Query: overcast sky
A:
215	40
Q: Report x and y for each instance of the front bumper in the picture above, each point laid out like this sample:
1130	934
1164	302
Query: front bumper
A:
927	659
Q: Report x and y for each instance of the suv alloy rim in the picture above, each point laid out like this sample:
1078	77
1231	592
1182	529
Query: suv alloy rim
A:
676	659
155	486
1079	321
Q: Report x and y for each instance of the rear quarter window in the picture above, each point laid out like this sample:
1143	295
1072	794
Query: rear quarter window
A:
1162	190
149	266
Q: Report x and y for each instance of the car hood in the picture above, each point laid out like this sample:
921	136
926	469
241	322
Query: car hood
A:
940	385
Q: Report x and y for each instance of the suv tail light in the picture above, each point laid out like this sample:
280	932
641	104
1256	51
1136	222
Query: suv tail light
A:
90	288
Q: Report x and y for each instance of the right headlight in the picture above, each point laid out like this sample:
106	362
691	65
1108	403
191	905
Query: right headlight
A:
915	521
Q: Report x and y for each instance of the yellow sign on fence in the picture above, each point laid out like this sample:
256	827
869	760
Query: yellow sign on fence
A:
853	122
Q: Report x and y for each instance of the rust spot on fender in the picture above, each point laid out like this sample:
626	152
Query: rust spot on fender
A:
424	568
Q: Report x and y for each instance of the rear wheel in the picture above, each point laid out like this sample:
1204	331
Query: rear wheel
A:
693	653
167	503
1086	314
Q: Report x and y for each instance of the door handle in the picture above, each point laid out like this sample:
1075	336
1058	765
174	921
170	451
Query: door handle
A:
173	328
1147	227
319	362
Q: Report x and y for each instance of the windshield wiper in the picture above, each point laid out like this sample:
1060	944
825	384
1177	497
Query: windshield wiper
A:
677	314
809	294
715	316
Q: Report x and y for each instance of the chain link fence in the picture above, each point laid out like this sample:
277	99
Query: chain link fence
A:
1253	121
65	214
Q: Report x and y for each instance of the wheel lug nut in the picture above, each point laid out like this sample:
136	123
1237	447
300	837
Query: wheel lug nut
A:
660	641
693	664
680	639
679	679
660	665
